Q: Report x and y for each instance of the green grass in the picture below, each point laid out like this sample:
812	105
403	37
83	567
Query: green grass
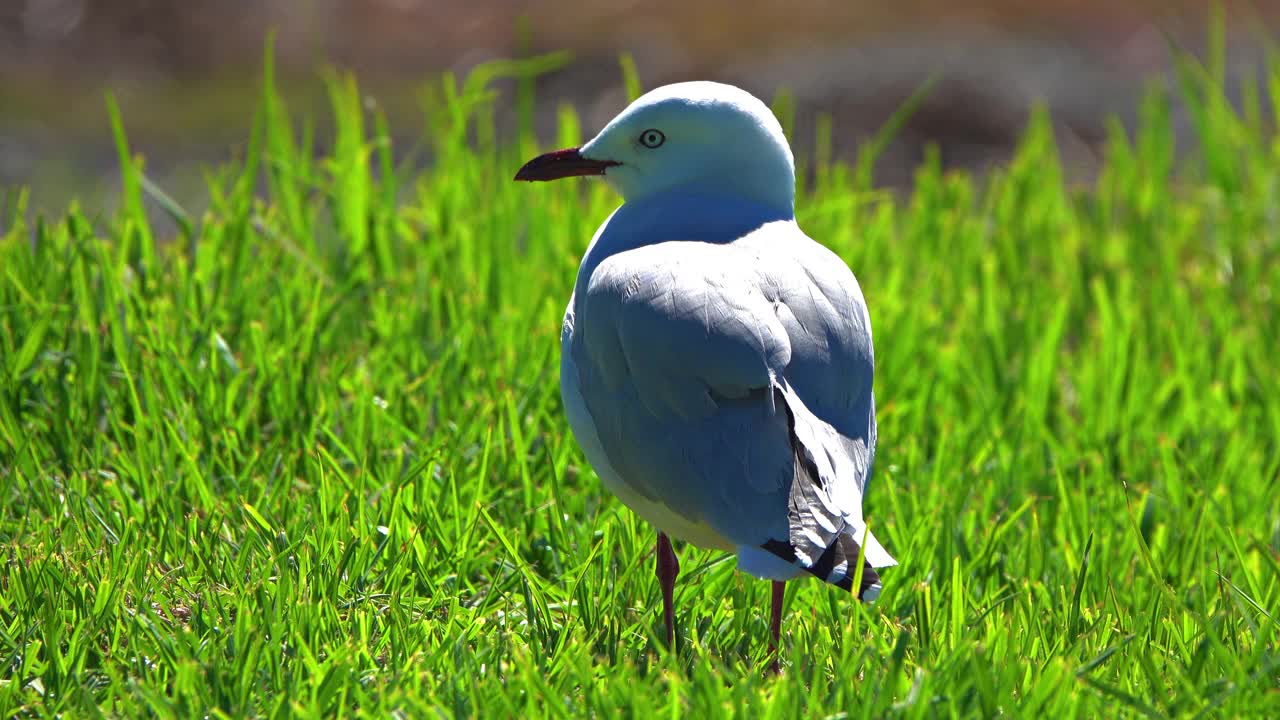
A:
308	456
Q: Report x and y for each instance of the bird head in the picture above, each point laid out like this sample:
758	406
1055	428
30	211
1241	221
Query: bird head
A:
695	137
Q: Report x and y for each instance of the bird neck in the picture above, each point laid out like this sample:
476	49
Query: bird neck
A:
678	215
682	214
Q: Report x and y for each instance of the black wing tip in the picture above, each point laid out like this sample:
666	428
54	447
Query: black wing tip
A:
868	588
842	549
870	581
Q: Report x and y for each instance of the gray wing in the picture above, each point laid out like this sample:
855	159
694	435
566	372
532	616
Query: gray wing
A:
732	383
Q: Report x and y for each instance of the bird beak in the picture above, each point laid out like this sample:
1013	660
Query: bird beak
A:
562	164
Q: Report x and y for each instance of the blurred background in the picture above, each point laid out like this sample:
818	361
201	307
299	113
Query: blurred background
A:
185	72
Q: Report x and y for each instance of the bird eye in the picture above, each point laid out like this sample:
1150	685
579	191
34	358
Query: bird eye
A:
652	138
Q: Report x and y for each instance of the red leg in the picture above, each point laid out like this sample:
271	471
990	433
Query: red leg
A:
775	623
668	568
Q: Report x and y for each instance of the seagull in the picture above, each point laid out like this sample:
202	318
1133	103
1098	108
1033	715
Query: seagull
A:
716	363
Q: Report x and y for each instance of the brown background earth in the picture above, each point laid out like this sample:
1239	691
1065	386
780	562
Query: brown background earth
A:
185	72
